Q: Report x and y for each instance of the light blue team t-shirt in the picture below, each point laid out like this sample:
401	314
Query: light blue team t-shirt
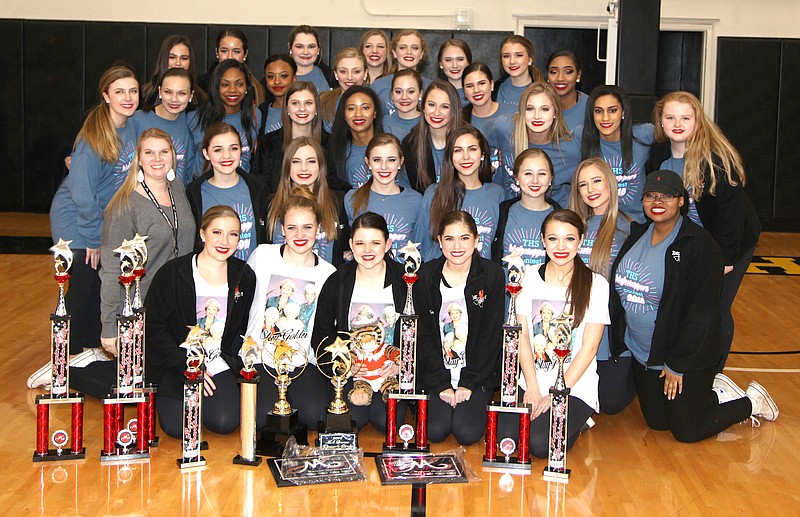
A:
355	167
639	281
383	88
316	77
523	233
235	120
630	182
574	116
399	127
181	136
401	212
676	165
510	94
238	198
273	121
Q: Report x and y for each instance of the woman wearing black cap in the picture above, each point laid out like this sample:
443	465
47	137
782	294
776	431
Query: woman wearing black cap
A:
665	312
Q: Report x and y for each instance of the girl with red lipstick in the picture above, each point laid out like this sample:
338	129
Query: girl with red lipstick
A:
231	100
349	69
399	206
518	58
296	263
409	49
280	73
578	300
466	184
454	56
609	134
304	164
180	293
594	197
305	49
424	145
176	52
478	88
713	174
564	73
227	184
665	311
460	299
371	284
357	120
521	217
374	45
406	95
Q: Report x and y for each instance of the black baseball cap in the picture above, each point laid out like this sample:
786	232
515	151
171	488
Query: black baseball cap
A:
665	182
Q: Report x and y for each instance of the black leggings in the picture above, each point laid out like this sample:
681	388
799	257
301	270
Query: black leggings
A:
220	410
308	394
615	389
466	422
83	304
96	379
730	286
578	413
693	415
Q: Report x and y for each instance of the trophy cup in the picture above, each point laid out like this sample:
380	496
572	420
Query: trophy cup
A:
282	420
509	382
335	361
59	376
556	469
121	442
408	369
193	400
248	387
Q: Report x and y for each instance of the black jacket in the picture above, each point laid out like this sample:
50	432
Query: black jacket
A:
334	299
257	198
688	329
171	309
499	234
728	214
412	165
485	339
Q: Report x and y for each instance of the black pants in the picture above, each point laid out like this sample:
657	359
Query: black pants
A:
578	413
308	394
616	389
96	379
730	286
466	422
83	304
693	415
220	411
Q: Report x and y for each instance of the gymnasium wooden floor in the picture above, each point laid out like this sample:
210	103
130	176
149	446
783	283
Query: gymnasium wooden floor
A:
618	468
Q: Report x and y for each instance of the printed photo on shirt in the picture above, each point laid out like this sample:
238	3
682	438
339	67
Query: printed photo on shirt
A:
211	312
290	304
364	314
550	327
454	327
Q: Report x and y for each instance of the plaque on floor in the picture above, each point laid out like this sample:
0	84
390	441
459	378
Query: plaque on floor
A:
410	469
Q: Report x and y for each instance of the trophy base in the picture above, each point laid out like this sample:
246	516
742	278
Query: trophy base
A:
509	465
338	433
53	455
556	475
120	458
239	460
154	442
188	465
409	448
272	442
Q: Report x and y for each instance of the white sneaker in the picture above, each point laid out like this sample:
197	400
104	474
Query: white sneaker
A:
83	359
40	377
763	405
726	389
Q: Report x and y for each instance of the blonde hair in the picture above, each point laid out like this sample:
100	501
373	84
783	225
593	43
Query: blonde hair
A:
327	100
121	198
98	129
387	65
705	146
408	32
558	131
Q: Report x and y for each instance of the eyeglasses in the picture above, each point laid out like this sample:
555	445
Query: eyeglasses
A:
652	198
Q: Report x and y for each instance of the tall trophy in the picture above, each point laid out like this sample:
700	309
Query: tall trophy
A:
126	442
335	360
408	370
248	387
556	469
282	420
509	382
193	379
59	377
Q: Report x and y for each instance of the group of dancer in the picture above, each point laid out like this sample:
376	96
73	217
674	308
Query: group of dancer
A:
280	209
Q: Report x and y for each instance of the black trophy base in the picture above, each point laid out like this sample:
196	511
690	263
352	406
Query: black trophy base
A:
279	428
54	455
154	442
559	476
337	433
402	448
186	465
123	457
507	465
239	460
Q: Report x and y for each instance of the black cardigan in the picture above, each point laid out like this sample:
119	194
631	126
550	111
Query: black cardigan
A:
484	346
688	329
728	214
171	309
412	165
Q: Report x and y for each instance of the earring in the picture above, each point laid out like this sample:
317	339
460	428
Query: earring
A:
170	175
578	81
140	176
482	157
240	164
108	102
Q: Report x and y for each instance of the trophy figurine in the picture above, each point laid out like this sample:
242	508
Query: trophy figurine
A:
193	378
408	370
248	387
282	420
335	361
123	443
509	382
556	469
59	377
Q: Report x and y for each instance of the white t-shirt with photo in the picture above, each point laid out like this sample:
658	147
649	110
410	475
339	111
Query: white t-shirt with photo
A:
453	330
212	310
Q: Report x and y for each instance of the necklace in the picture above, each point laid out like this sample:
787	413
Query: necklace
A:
174	224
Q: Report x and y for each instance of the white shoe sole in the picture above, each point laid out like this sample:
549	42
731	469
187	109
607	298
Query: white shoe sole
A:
40	377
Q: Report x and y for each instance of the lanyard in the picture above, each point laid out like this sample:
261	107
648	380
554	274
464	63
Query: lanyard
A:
174	224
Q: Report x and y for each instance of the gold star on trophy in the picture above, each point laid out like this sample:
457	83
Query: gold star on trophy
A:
61	251
140	247
127	251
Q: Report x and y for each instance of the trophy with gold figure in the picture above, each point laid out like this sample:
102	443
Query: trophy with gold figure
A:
282	421
193	379
508	384
337	361
248	389
59	377
556	469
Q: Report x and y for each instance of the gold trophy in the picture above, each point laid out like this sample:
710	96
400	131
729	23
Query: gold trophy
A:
282	421
248	388
335	360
